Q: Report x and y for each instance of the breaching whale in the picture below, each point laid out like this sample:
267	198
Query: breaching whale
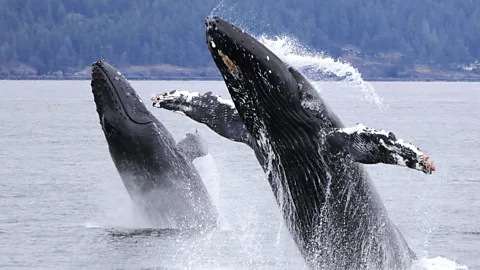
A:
157	173
329	204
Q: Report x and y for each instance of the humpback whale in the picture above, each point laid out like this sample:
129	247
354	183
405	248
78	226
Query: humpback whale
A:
312	161
157	173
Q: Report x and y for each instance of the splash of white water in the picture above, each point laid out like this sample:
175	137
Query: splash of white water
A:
207	168
438	263
292	52
121	215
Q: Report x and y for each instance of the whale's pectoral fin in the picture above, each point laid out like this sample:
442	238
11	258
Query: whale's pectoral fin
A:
193	146
217	113
369	146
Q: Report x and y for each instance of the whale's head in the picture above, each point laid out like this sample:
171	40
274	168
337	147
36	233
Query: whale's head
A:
247	66
137	141
125	120
120	109
268	94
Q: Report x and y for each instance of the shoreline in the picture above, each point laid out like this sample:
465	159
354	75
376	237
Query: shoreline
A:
218	78
380	72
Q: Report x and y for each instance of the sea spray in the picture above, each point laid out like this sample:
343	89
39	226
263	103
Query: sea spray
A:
292	52
209	172
298	56
437	263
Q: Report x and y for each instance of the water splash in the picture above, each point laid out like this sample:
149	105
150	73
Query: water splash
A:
438	263
292	52
122	215
427	214
207	168
217	8
279	232
93	225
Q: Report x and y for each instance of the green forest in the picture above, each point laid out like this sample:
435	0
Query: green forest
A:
66	36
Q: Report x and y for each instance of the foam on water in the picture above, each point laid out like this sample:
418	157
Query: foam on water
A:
437	263
92	225
298	56
124	215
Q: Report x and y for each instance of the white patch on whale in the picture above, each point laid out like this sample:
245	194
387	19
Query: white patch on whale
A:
401	161
360	128
180	112
188	96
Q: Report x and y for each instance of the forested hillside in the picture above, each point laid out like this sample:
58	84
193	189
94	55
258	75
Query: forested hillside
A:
428	30
67	35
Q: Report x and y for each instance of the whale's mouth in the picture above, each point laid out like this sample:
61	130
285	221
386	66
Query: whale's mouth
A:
114	96
263	89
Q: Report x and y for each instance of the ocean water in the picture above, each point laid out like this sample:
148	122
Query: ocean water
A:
63	205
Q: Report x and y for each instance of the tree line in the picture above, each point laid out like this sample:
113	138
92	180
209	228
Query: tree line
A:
68	35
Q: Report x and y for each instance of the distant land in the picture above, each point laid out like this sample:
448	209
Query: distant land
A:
370	70
404	40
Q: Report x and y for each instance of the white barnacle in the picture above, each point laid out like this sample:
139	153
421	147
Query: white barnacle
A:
410	146
357	128
180	112
212	44
159	98
185	94
268	58
225	101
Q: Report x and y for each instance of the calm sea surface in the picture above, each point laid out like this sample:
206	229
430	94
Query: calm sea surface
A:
63	205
